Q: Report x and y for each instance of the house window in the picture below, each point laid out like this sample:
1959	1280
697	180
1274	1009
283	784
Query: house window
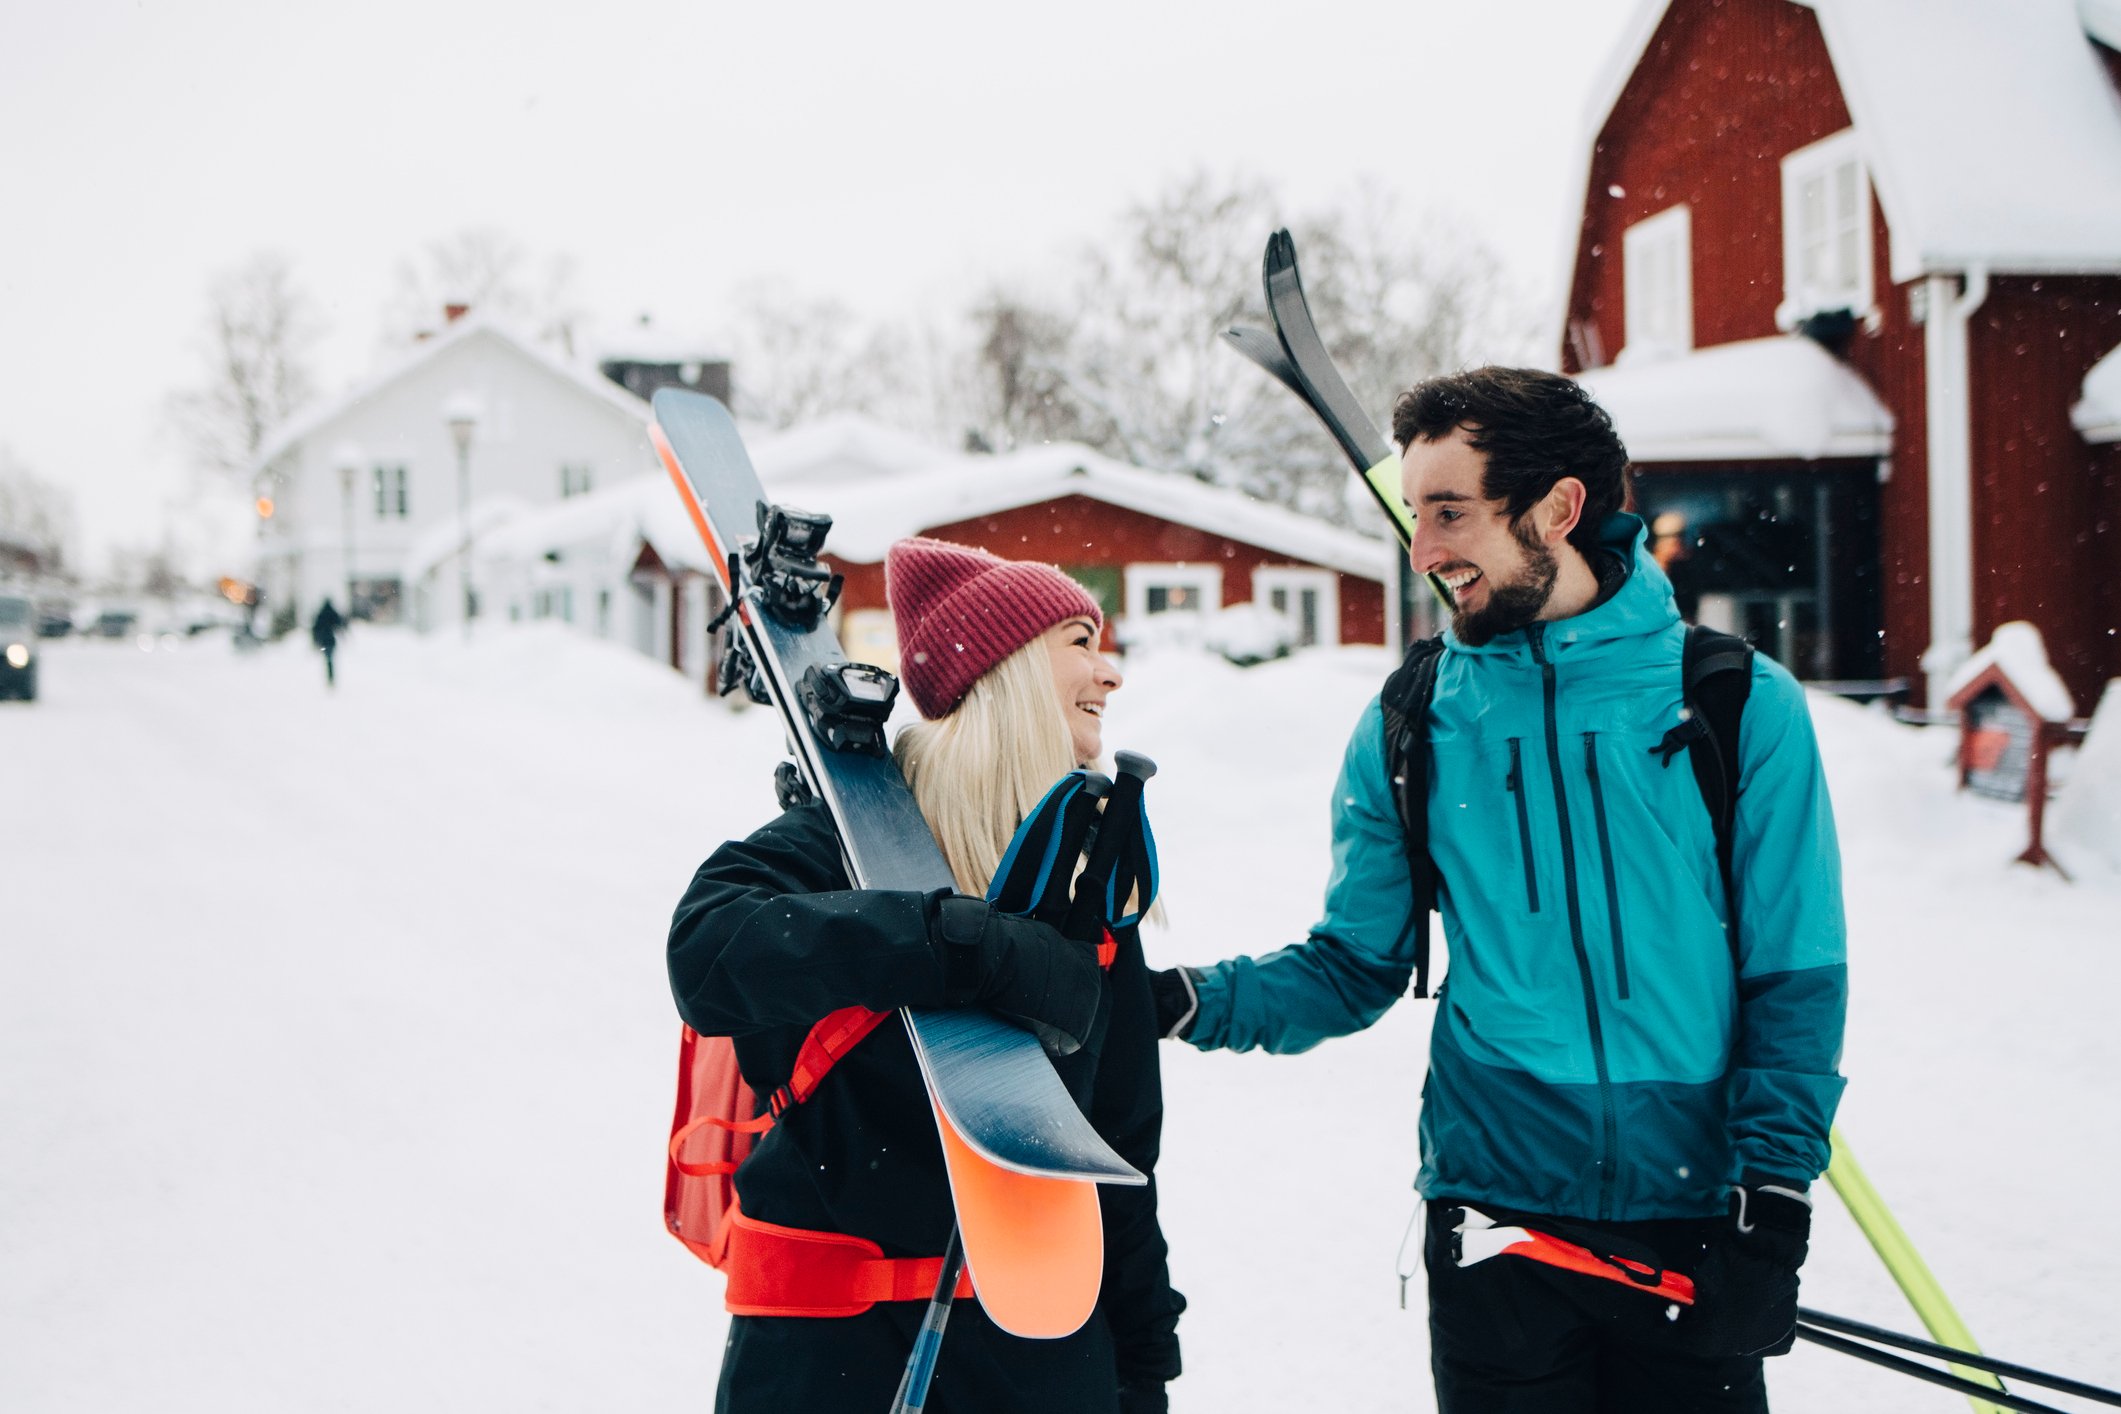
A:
393	492
1658	277
1308	598
1173	589
574	479
1826	246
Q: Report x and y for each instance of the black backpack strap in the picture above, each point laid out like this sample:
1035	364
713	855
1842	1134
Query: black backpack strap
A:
1717	676
1405	702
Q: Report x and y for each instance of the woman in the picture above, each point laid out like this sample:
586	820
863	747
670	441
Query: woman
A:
1001	657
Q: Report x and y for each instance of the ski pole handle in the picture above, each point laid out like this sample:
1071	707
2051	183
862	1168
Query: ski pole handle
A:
1119	828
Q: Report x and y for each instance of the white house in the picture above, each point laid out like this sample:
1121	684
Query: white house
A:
370	497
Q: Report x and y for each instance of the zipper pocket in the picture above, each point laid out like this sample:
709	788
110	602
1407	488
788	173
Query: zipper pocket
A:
1524	823
1605	850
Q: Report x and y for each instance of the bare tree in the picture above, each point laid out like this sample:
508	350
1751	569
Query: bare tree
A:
254	352
1016	390
1141	371
798	358
34	512
486	269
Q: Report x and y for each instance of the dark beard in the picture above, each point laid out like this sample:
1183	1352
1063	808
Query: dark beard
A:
1511	606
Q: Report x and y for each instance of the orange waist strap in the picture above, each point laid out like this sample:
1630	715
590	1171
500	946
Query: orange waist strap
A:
792	1271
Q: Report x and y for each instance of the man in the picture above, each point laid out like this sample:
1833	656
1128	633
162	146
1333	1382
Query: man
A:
1606	1065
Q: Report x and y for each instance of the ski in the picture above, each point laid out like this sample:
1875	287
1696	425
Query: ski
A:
1024	1162
1295	355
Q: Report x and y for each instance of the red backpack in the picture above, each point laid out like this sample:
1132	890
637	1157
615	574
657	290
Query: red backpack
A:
718	1120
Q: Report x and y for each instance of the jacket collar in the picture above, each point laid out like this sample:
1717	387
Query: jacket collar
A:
1642	606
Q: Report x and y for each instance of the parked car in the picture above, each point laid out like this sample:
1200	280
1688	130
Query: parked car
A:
18	649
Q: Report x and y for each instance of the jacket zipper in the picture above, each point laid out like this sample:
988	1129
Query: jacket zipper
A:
1524	823
1605	849
1609	1121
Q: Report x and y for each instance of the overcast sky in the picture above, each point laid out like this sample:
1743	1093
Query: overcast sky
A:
881	154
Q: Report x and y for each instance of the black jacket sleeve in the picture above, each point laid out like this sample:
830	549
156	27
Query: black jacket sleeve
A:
1128	1109
770	935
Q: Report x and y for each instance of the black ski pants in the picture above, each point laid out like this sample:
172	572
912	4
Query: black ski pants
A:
828	1364
1512	1336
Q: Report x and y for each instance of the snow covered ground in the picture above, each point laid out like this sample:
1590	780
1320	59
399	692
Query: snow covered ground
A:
336	1053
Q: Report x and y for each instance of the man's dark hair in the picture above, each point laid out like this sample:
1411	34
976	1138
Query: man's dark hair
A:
1534	428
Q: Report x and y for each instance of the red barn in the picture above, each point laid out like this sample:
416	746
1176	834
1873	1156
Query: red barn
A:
1845	276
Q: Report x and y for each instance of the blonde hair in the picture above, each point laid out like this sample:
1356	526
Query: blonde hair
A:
979	771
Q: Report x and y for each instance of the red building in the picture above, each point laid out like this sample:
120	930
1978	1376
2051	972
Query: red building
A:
1844	273
1161	552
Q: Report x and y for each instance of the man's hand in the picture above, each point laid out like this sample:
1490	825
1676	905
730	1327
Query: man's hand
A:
1746	1287
1018	967
1177	1001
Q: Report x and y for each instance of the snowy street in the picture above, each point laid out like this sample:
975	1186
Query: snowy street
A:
336	1051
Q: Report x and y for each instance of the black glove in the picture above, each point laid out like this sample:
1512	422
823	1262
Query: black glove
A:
1018	967
1177	1001
1745	1289
1143	1399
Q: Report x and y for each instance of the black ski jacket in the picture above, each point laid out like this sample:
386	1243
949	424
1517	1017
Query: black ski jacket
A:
770	937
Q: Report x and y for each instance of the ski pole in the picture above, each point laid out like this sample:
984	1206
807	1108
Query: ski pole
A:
1086	915
2001	1398
928	1343
1826	1321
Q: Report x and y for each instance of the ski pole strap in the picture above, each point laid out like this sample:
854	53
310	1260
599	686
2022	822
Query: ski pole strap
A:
1134	874
1478	1237
1037	865
792	1271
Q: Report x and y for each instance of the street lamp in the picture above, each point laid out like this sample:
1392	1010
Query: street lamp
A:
461	412
348	459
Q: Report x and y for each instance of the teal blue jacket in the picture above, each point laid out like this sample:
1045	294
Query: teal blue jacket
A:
1595	1053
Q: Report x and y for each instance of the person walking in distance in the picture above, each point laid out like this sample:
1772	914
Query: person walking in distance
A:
324	632
1636	1051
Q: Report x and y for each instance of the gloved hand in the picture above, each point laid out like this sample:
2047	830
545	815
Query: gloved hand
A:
1177	1001
1746	1283
1143	1399
1018	967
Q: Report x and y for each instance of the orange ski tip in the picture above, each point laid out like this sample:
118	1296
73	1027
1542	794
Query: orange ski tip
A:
1036	1246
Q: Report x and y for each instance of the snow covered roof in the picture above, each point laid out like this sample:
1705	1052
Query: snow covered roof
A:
839	447
1761	399
880	485
616	517
874	513
323	413
2021	653
2098	414
1992	132
645	341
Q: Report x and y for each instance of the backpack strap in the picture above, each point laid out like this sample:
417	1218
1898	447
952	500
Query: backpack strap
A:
827	1042
1405	703
1716	674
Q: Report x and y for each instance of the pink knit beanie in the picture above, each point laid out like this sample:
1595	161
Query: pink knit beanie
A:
960	611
